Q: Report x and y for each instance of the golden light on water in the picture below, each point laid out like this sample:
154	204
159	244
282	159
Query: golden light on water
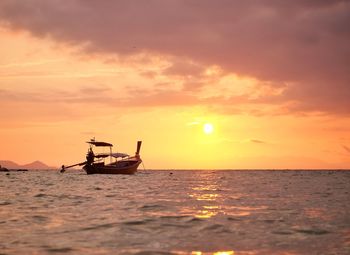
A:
206	193
214	253
206	211
224	253
205	214
204	197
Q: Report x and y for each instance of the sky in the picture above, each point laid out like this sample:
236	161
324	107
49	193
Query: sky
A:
271	78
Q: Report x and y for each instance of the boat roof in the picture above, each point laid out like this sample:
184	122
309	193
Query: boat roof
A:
100	144
115	155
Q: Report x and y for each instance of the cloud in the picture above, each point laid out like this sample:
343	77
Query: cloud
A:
302	45
183	68
53	105
101	89
257	141
346	148
86	94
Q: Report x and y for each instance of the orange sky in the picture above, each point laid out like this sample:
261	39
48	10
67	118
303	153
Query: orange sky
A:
62	84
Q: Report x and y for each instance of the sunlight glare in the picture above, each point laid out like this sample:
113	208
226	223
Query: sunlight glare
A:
208	128
224	253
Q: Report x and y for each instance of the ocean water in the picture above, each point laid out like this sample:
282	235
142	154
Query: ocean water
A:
175	212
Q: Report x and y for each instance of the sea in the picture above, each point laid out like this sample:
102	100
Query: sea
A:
196	212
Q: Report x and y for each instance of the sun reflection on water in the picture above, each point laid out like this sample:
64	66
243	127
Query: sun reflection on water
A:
211	199
206	192
214	253
204	197
224	253
207	211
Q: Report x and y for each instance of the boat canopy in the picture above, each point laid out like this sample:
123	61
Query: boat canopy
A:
100	144
120	155
115	155
102	155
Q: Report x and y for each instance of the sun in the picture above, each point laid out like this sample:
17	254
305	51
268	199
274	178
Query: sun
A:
208	128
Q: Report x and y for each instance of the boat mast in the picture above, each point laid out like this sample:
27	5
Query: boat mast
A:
110	154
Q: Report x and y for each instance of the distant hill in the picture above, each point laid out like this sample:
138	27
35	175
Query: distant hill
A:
34	165
9	164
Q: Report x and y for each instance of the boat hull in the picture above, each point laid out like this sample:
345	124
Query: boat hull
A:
121	167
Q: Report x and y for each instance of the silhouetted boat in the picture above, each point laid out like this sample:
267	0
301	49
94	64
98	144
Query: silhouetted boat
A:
120	163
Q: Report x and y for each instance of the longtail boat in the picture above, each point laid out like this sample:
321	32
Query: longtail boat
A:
120	163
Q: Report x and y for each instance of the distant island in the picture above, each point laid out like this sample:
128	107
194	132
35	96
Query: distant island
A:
37	165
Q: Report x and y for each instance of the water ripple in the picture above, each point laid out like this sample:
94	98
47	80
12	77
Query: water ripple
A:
186	212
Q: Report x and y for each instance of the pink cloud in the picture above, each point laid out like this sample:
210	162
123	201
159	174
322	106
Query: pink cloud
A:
304	44
346	148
